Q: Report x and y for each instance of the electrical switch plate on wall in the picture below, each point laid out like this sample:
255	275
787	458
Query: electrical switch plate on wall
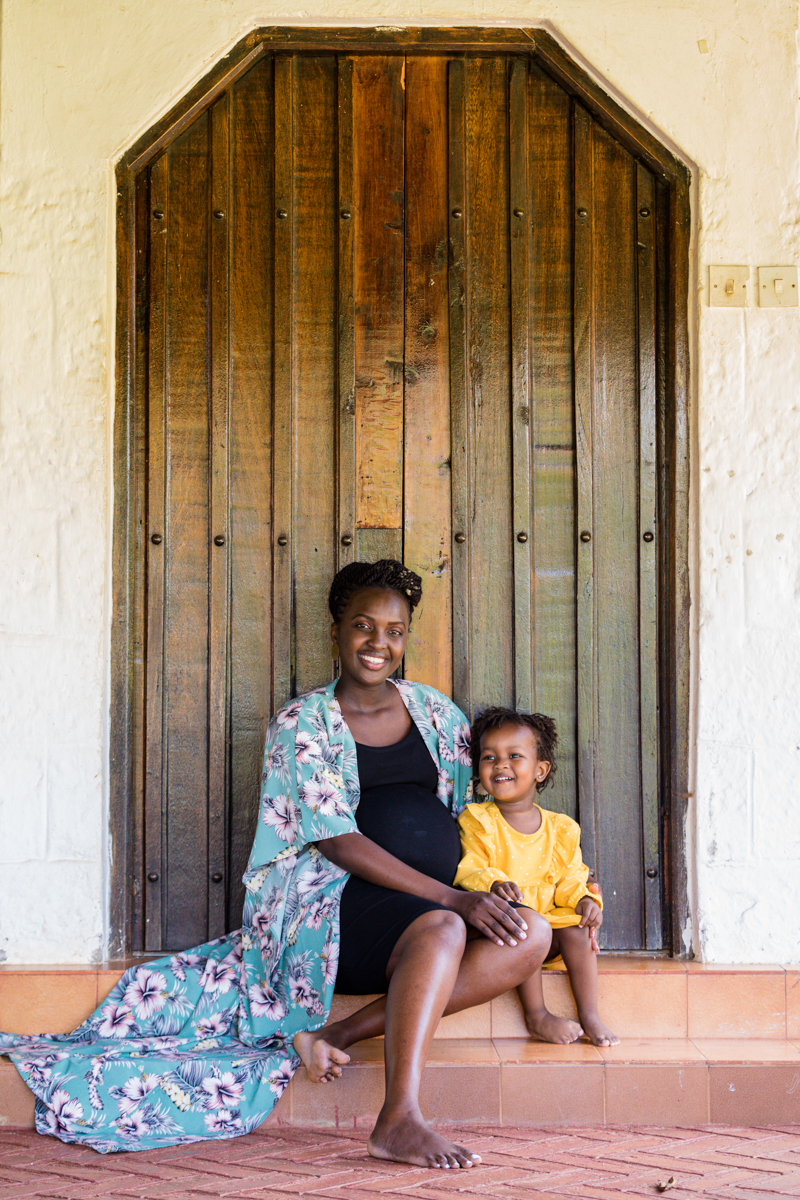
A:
777	287
727	286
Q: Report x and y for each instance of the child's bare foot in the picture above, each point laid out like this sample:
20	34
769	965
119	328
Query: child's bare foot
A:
407	1139
547	1028
598	1033
322	1061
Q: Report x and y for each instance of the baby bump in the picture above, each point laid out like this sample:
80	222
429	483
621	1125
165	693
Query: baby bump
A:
412	824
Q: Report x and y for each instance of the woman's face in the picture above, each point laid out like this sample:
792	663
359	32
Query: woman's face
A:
372	633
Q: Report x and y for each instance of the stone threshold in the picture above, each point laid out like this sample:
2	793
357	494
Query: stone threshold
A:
513	1081
640	998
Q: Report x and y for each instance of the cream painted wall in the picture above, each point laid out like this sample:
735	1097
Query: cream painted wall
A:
81	79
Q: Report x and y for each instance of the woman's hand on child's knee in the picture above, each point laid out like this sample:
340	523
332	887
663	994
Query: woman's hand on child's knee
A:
507	891
591	918
495	919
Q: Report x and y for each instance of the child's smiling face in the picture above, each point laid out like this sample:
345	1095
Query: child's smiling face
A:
510	766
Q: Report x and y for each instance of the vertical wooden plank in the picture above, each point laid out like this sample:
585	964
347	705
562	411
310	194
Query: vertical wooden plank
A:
674	284
378	102
283	412
346	452
615	539
155	551
519	225
584	433
315	239
427	511
219	530
488	381
460	423
553	484
648	555
186	539
133	880
251	234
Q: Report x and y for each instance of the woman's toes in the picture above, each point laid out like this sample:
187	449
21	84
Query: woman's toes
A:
473	1158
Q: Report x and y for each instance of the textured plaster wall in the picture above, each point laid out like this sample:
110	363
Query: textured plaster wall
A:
81	79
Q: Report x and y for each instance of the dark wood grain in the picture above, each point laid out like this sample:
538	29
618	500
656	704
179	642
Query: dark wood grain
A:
378	103
460	423
251	232
314	354
488	384
133	839
186	539
519	225
675	222
427	522
584	370
153	750
645	223
346	455
615	540
283	368
218	219
553	484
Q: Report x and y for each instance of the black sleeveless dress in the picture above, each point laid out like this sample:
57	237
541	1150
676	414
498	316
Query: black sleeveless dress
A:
398	809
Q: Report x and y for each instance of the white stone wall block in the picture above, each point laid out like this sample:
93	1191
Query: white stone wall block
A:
23	823
29	568
776	804
725	834
50	690
74	804
51	912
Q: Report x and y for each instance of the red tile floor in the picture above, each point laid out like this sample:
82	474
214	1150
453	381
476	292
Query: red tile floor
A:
518	1164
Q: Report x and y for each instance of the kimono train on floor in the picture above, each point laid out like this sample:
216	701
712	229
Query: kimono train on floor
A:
199	1044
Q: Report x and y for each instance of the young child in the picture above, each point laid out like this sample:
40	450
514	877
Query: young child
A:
528	856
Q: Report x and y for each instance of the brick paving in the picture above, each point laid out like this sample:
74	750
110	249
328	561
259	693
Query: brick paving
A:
518	1164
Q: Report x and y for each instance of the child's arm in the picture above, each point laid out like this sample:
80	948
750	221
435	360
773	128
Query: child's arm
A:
590	917
476	872
572	873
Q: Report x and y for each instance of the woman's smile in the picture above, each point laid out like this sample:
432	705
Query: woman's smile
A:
375	662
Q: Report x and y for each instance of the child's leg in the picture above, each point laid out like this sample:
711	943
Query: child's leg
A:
540	1023
581	962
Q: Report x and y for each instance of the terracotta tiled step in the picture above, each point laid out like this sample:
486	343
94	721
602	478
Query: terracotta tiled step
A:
513	1081
640	998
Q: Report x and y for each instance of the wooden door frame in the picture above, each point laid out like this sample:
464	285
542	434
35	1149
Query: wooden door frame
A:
129	432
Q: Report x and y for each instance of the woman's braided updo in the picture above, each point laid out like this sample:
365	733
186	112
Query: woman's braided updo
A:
387	573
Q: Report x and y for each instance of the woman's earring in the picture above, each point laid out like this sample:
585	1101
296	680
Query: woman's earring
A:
334	650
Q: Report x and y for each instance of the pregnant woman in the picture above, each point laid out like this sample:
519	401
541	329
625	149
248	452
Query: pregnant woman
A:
351	867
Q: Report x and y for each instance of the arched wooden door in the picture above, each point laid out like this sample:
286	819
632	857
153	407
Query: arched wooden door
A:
407	305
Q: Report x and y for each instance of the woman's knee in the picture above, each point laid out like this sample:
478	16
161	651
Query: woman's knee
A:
540	934
445	926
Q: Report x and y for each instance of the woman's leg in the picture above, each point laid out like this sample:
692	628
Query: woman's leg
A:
422	972
485	971
431	972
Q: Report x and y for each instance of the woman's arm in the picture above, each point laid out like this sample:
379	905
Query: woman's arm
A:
360	856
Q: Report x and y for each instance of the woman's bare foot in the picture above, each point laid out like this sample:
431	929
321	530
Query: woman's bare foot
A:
546	1028
322	1061
598	1033
408	1139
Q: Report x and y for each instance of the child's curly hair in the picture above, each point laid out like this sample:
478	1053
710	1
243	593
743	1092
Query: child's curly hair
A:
542	727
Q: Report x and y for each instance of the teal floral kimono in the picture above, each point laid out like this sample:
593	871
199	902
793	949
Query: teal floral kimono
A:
199	1044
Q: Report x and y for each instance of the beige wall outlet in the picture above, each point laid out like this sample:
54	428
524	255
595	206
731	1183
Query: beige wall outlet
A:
777	287
727	286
